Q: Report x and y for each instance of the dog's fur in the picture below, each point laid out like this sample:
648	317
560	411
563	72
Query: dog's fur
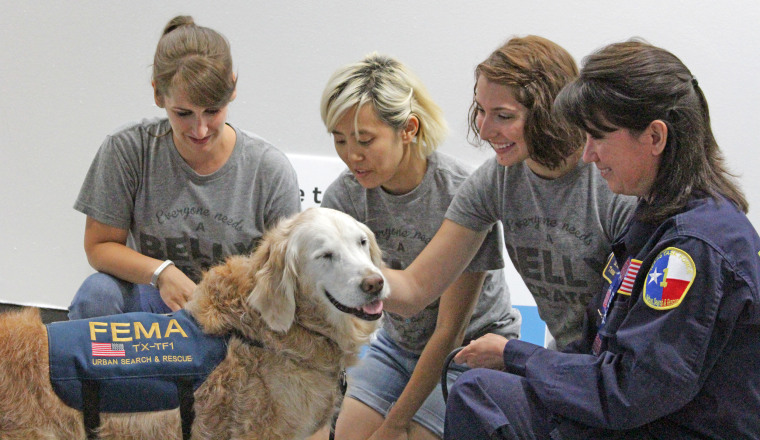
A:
277	296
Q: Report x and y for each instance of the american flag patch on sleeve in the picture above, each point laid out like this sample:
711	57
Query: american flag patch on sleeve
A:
631	269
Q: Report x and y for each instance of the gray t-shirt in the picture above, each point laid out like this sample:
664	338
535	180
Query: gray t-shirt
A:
139	182
404	224
558	233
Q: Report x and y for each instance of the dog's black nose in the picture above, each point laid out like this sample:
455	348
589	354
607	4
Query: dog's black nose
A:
372	284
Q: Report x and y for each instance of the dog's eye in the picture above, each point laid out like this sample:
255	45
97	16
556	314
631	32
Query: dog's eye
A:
363	241
327	256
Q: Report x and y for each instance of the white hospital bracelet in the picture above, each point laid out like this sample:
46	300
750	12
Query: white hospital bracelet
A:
157	273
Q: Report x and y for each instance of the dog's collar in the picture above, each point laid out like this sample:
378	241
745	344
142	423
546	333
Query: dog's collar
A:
342	382
260	344
252	342
318	333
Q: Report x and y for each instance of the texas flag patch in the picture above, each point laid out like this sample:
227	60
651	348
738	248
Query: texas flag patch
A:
669	278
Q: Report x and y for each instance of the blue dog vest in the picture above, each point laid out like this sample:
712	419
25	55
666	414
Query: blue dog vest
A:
137	359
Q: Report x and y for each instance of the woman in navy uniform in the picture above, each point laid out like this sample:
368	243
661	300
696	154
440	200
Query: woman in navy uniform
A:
671	347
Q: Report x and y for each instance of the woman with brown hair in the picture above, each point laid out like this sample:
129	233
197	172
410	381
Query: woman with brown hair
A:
166	198
671	348
558	215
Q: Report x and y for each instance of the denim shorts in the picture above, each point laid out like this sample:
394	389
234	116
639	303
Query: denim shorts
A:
382	374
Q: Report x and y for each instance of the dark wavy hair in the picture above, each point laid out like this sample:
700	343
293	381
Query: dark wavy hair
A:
628	85
535	69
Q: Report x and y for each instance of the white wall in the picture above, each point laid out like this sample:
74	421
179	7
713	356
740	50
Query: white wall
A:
70	72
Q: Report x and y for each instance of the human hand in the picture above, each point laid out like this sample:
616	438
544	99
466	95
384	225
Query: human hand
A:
484	352
175	287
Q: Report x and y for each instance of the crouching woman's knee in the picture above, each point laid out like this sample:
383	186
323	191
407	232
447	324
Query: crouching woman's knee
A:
100	295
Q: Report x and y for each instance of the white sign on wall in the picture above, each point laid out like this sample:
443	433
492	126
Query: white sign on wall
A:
315	174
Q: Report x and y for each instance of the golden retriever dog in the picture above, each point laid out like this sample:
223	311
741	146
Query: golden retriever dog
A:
309	295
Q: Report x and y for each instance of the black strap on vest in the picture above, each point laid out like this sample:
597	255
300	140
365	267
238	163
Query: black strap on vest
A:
343	383
91	409
91	399
186	402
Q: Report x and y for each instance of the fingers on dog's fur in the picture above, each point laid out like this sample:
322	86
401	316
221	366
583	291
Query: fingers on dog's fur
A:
217	302
274	292
267	279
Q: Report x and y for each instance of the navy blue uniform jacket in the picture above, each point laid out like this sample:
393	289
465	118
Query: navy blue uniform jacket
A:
679	349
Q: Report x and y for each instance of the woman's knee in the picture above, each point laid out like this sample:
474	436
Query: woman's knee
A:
100	295
356	420
493	404
467	384
459	408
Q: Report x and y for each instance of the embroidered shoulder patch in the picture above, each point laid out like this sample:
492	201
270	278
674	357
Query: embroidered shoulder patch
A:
610	269
669	278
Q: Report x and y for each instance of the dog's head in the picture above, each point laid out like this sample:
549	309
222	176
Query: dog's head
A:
321	260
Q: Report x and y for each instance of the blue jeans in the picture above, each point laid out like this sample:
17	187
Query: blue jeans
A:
102	294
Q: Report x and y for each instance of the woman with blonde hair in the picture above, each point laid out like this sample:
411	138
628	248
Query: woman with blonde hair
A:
166	198
386	128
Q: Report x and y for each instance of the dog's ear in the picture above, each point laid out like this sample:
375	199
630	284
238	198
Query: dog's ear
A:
275	283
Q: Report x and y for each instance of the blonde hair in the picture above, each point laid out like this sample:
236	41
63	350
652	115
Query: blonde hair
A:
394	92
194	59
